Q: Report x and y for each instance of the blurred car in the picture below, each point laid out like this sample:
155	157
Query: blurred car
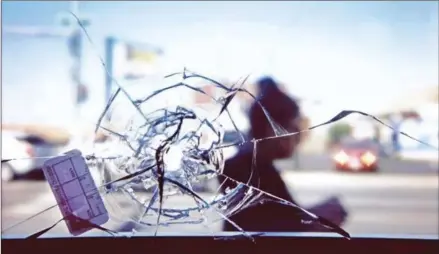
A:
24	153
14	154
42	148
357	156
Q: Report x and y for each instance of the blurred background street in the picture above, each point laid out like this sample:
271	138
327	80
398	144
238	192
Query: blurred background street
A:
323	162
390	202
380	58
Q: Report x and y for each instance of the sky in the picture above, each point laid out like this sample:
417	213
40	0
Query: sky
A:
356	55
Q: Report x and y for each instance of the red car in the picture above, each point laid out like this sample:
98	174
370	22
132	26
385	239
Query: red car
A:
357	155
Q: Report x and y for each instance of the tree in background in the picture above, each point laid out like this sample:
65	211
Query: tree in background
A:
337	132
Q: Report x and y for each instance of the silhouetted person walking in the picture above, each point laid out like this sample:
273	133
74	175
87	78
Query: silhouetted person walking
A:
285	112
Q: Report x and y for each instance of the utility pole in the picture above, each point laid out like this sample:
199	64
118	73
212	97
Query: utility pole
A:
67	27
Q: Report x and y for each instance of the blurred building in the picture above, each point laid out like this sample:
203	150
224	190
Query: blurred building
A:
237	106
416	114
408	104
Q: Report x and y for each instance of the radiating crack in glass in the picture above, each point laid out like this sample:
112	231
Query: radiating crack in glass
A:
162	151
168	150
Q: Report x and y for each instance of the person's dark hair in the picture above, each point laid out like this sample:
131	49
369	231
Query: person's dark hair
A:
281	108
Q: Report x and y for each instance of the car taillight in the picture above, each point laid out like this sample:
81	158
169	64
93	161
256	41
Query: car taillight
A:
30	151
341	157
368	158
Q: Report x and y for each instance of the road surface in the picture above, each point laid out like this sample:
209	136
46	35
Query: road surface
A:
377	203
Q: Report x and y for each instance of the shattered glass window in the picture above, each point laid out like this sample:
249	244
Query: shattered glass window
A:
164	150
163	145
